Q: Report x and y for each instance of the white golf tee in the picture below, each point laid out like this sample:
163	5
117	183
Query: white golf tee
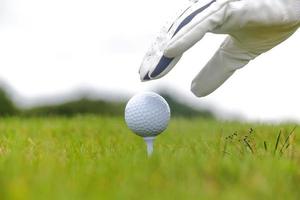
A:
149	142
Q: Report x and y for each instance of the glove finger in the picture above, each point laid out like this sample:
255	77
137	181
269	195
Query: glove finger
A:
203	17
155	64
149	70
222	65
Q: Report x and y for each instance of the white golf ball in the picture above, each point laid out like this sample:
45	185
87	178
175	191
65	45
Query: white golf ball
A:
147	114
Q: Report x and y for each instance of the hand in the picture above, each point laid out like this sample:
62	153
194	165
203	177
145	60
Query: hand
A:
253	27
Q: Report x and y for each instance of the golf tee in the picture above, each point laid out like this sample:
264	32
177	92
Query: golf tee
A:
149	142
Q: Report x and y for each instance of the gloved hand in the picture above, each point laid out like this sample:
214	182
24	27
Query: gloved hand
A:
253	27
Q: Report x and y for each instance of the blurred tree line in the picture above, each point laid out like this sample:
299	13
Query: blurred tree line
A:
7	107
88	106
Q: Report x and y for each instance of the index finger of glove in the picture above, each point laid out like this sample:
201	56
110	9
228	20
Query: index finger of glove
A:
202	17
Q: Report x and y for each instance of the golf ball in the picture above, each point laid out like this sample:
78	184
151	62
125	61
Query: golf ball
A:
147	114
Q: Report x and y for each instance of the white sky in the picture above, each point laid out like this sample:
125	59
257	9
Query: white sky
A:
52	47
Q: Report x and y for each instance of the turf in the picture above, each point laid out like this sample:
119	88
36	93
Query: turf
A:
92	157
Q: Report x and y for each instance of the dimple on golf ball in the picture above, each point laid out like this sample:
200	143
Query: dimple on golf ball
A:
147	114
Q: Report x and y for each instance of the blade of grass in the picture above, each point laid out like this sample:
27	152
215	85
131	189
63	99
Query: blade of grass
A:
277	142
287	139
265	146
249	146
225	148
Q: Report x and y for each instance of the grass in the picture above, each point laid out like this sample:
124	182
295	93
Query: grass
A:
90	157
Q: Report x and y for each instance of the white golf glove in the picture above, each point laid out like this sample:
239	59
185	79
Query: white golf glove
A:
253	26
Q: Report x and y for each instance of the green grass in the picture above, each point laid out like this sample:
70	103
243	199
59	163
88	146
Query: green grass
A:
92	157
